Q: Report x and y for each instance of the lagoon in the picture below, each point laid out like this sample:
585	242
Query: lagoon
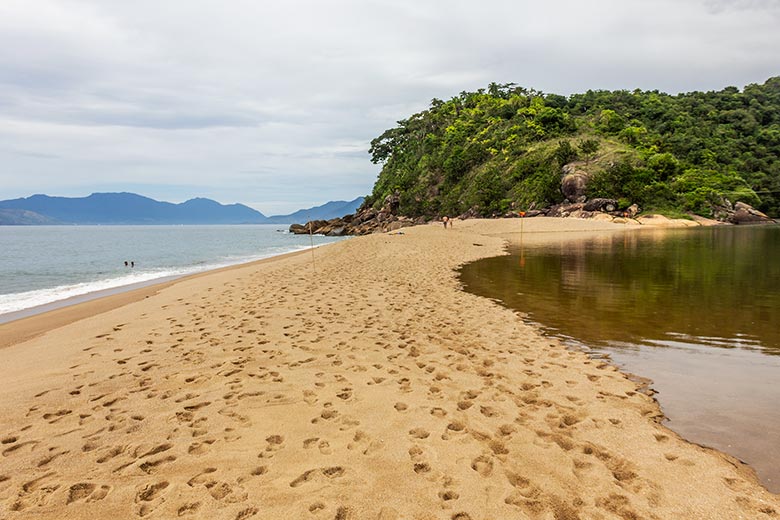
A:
695	311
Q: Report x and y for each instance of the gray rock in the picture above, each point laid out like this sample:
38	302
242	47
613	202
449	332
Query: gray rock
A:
573	186
608	205
746	214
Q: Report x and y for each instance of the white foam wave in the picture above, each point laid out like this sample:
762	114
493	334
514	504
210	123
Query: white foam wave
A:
25	300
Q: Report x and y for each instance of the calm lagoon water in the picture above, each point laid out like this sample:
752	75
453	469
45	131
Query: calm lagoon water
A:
44	264
697	311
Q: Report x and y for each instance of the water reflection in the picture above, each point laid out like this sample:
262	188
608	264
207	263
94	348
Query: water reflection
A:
713	286
694	310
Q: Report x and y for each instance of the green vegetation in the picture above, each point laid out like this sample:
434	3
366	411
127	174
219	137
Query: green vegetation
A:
504	147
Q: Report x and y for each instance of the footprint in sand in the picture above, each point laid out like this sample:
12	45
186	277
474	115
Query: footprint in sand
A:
419	433
483	465
311	475
87	491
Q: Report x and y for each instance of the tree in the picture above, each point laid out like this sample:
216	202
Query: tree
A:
589	147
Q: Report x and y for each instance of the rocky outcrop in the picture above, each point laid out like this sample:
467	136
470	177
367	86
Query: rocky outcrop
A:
365	221
605	205
746	214
739	213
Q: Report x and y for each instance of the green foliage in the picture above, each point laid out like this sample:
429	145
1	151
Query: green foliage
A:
589	147
565	153
485	150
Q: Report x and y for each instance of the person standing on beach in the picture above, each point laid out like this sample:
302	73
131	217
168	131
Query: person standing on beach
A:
445	219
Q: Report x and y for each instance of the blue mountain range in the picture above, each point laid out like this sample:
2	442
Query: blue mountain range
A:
130	208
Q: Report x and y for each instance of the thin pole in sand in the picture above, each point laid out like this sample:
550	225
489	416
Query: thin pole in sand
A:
311	243
522	250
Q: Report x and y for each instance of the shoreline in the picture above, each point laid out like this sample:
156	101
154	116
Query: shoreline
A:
373	387
29	323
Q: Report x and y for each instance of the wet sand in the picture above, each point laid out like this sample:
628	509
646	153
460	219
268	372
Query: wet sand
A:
371	388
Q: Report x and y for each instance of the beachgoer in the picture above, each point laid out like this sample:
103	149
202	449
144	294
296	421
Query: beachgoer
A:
445	219
132	264
126	263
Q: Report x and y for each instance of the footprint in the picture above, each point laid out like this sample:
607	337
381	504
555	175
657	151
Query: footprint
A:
150	466
482	465
80	491
150	491
188	509
419	433
422	467
246	513
312	474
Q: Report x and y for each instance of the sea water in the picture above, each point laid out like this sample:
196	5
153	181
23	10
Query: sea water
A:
44	264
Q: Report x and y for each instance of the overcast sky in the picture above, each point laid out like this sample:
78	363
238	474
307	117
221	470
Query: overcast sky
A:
273	104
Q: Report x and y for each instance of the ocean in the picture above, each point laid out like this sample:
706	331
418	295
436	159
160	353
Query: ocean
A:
44	264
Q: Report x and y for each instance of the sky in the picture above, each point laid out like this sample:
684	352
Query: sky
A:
274	104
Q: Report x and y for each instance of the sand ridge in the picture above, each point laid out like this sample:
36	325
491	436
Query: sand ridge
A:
373	388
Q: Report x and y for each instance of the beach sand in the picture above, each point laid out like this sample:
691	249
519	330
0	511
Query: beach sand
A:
369	386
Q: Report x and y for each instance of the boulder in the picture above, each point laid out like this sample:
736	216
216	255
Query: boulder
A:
573	186
398	224
746	214
337	231
632	211
298	229
564	210
608	205
391	203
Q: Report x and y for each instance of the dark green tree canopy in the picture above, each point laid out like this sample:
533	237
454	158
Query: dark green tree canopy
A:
504	147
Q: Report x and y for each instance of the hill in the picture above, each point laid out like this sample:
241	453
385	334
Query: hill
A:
129	208
505	147
327	211
21	217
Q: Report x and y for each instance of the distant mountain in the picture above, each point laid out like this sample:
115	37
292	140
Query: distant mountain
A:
21	217
127	208
327	211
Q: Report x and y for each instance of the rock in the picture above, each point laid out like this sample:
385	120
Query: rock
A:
337	232
391	203
702	221
398	224
608	205
632	211
746	214
363	216
603	217
564	210
662	221
298	229
316	225
573	186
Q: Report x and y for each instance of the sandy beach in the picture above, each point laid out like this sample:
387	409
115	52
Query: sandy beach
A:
364	384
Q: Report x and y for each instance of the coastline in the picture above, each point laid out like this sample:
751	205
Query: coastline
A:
26	324
372	387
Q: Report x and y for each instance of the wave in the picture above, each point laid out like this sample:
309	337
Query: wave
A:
15	302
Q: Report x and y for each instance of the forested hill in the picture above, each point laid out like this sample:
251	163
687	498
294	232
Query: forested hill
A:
505	147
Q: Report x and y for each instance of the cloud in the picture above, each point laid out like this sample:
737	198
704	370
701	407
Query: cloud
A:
264	103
